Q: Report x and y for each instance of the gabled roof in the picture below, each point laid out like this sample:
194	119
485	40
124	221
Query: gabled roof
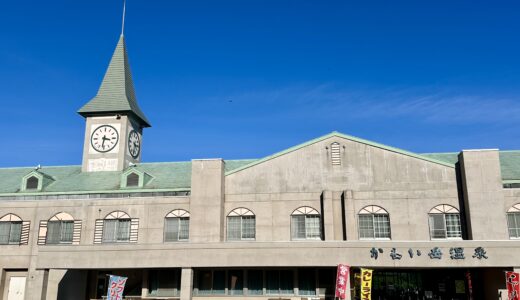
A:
116	94
348	137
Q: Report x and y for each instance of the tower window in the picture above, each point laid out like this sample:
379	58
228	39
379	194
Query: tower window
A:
132	179
32	183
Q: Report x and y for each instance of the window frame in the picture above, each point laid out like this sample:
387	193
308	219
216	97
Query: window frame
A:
514	211
241	214
308	213
373	220
61	240
444	211
12	234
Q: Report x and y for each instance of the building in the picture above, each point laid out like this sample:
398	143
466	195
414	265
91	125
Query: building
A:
432	226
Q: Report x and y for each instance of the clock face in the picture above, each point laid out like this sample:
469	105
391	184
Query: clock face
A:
104	138
134	144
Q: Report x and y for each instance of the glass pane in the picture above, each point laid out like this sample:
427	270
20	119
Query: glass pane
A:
366	226
272	280
67	231
16	233
234	228
184	230
53	232
248	227
437	226
513	223
255	282
381	226
312	226
164	283
109	231
204	282
286	282
306	282
298	227
453	225
171	233
5	229
236	282
123	230
219	282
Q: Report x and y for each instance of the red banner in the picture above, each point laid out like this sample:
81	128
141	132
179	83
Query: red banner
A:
341	281
513	285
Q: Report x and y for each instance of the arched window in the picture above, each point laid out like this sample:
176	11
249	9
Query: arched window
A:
177	226
513	221
60	229
445	222
10	230
116	227
305	224
373	223
241	225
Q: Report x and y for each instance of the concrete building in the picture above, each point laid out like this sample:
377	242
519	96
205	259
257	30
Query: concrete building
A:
431	226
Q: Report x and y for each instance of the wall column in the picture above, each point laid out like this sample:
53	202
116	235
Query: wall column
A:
186	283
53	281
350	216
36	285
483	194
207	201
327	215
144	284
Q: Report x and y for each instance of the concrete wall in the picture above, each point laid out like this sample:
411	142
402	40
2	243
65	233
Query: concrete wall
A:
407	187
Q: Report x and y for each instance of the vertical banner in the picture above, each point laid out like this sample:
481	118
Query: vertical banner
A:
116	286
470	285
366	284
513	287
341	281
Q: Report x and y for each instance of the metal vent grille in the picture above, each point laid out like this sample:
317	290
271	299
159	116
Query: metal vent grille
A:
335	154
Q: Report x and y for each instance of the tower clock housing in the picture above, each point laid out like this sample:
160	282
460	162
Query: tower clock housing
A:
114	121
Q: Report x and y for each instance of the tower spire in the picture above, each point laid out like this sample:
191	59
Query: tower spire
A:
124	14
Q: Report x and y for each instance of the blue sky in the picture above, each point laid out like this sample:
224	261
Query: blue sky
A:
245	79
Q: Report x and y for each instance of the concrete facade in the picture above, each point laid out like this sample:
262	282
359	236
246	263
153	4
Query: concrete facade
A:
406	187
272	228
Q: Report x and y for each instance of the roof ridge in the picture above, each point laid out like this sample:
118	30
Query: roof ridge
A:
345	136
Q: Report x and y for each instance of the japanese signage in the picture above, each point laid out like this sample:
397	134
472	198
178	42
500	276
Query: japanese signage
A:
513	287
341	281
366	284
116	286
455	253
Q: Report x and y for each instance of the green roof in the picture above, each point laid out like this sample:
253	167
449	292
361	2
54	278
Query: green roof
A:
168	176
509	162
116	94
176	176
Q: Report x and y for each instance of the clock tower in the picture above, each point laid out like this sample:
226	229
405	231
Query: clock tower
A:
114	121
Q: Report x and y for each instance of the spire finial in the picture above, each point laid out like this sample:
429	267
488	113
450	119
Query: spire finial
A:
124	12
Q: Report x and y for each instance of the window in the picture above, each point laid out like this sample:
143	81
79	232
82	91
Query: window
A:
10	230
60	229
177	226
374	223
445	222
31	183
305	224
513	221
164	282
132	180
116	228
279	282
241	225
